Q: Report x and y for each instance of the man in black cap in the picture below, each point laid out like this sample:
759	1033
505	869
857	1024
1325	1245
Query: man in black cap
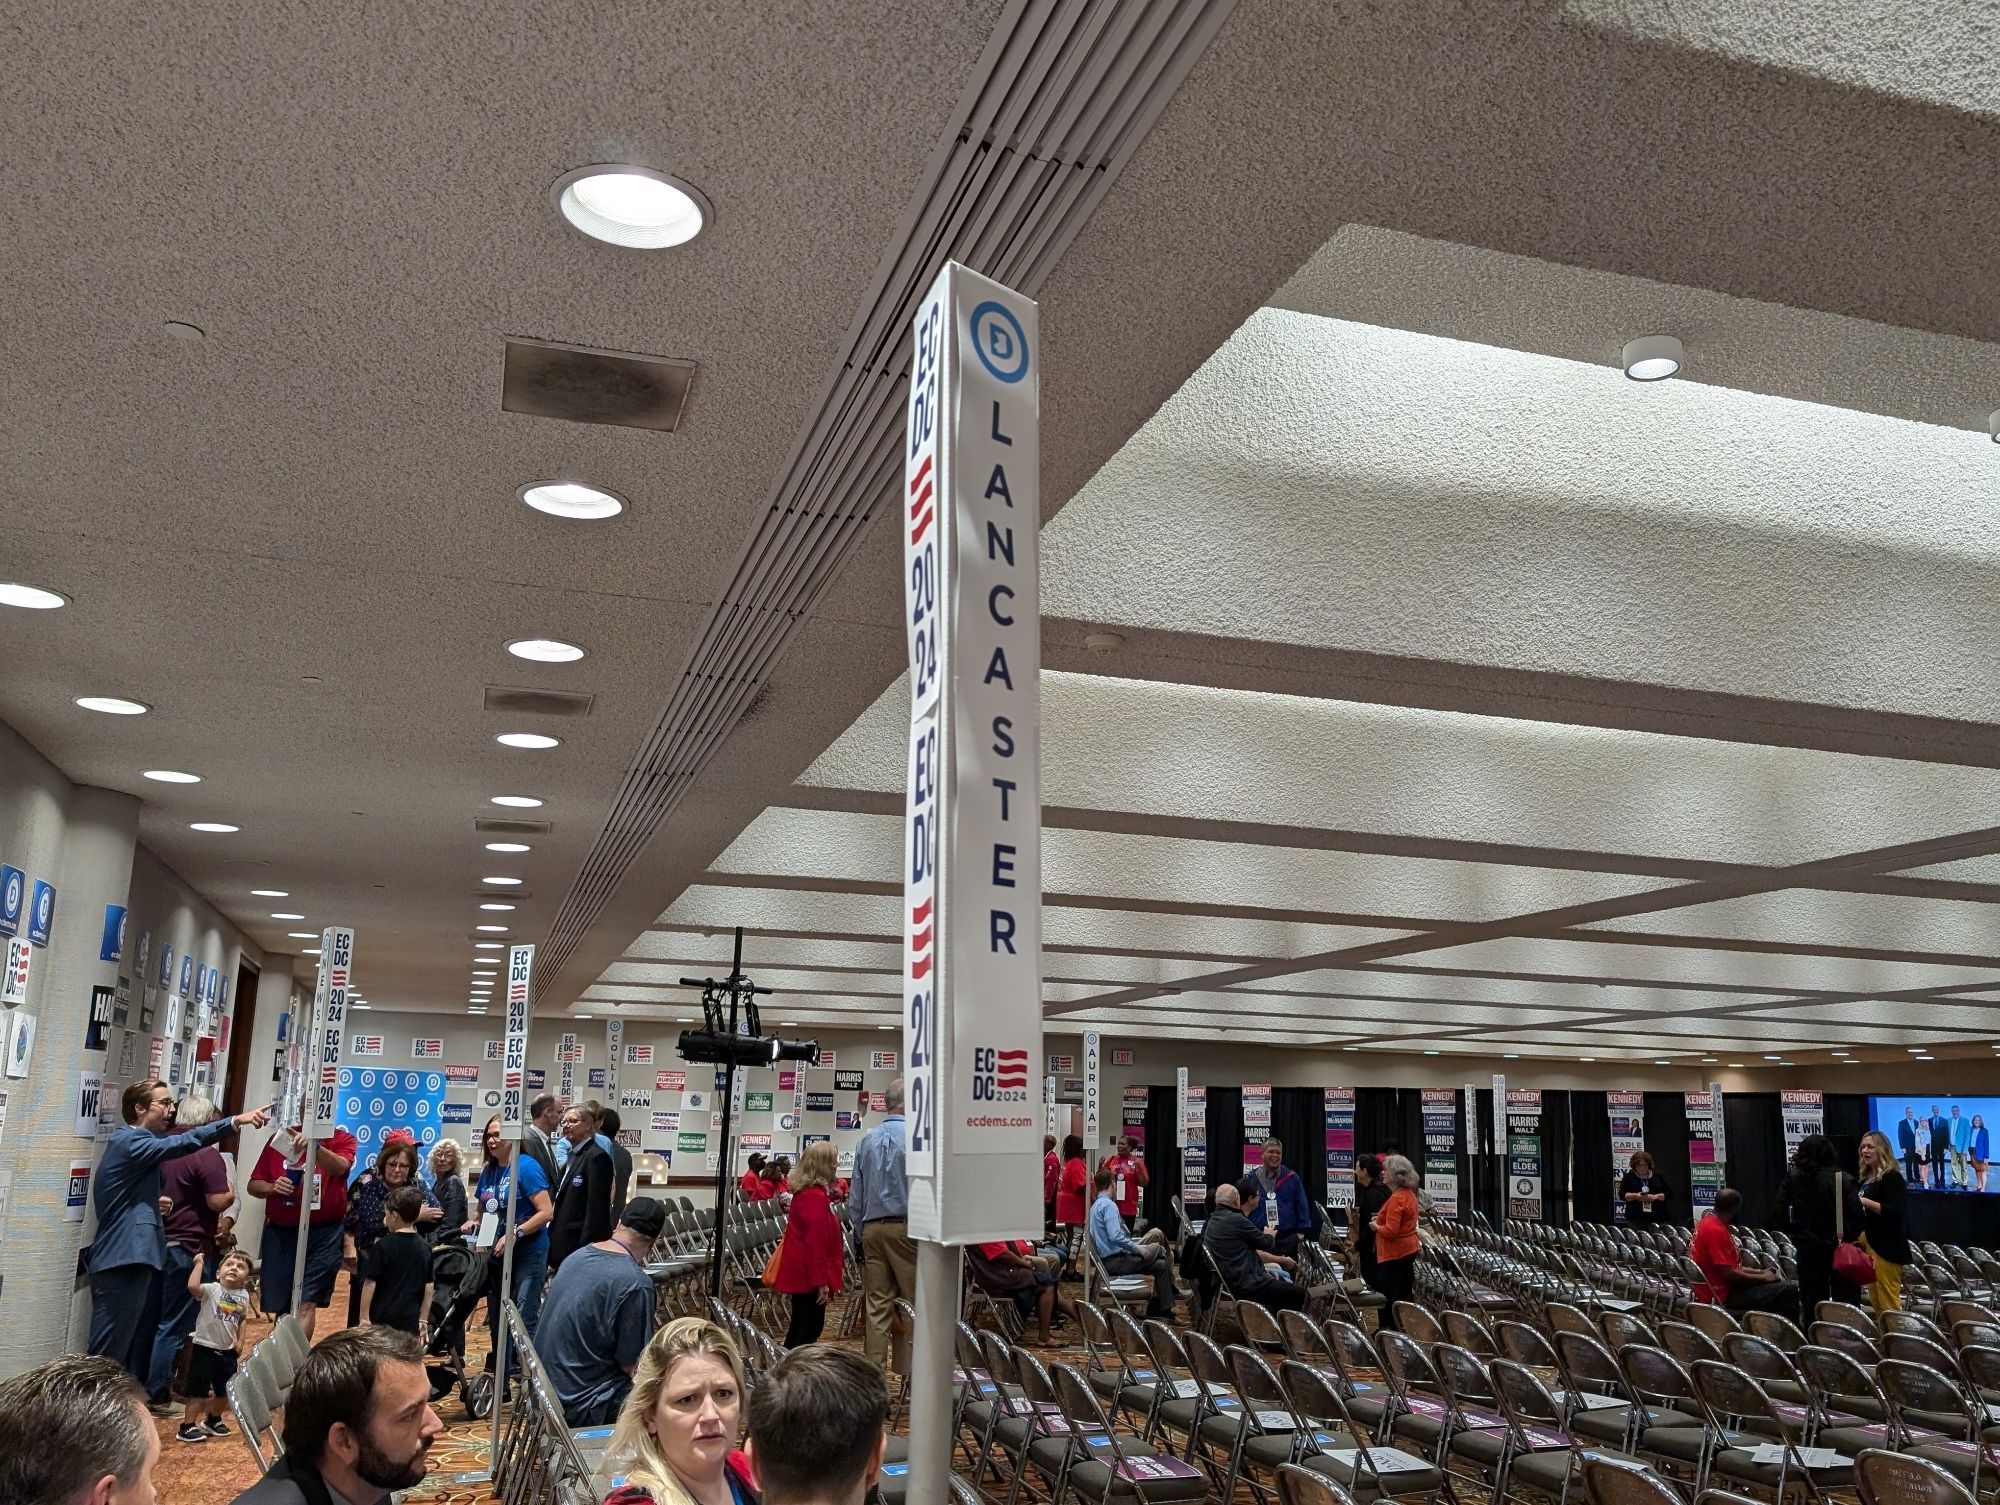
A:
598	1316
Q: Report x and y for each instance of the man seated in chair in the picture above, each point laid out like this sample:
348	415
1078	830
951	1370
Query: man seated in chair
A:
1726	1280
1245	1253
1121	1254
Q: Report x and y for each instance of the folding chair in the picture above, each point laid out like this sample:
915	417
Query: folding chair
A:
1107	1464
1884	1478
1470	1334
253	1419
1688	1343
1717	1321
1415	1322
1727	1392
1540	1453
1935	1419
1340	1446
1775	1329
1673	1424
1847	1314
1609	1479
1620	1328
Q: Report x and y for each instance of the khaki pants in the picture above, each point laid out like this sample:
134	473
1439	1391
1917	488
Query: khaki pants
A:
890	1271
1958	1164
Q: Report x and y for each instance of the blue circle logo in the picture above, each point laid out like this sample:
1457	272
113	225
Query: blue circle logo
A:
402	1107
998	341
13	893
368	1080
347	1076
434	1082
353	1107
376	1107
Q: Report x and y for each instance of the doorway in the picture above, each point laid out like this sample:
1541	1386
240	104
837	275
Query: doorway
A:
242	1035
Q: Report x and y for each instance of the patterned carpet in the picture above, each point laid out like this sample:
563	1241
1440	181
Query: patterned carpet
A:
216	1471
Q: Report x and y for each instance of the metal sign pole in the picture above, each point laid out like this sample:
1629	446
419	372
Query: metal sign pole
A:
336	964
513	1119
972	1011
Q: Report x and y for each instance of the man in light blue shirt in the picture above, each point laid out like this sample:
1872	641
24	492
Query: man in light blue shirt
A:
1961	1146
879	1196
1121	1255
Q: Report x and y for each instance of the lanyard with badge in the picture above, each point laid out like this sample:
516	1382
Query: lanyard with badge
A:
490	1206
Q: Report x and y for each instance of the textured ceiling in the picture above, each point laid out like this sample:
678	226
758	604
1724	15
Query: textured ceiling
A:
1434	622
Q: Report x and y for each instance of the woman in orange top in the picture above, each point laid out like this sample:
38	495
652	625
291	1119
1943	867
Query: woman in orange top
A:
1396	1236
809	1259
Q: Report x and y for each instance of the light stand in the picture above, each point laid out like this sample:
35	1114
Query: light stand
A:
725	1006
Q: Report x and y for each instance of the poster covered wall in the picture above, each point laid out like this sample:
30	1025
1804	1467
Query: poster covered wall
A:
1524	1153
1704	1166
1440	1107
1628	1137
1339	1147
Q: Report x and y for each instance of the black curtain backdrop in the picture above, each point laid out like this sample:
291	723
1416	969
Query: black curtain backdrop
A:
1410	1105
1477	1181
1667	1139
1556	1108
1590	1157
1298	1118
1378	1119
1225	1137
1846	1122
1756	1147
1163	1160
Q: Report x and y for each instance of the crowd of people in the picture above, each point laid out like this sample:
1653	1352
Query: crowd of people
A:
170	1286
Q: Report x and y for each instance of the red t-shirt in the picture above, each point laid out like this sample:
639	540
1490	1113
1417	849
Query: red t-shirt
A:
1714	1250
1007	1246
284	1211
1073	1193
1051	1175
1128	1174
751	1184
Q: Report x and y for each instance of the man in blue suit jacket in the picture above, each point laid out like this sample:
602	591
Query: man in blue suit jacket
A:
131	1245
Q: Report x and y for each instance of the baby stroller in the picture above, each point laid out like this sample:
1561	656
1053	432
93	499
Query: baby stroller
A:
459	1277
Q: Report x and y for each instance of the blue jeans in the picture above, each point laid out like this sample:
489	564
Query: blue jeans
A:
531	1274
178	1310
277	1254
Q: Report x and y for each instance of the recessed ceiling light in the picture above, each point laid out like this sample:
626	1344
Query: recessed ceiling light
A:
516	801
496	908
1653	357
572	500
1774	1058
545	650
502	883
269	893
1430	1052
1917	1050
1515	1057
1663	1063
508	846
493	973
113	705
300	935
30	597
489	945
885	1026
634	207
310	951
170	776
217	827
527	739
287	916
492	929
1708	1060
1735	1065
1992	427
353	1005
1350	1047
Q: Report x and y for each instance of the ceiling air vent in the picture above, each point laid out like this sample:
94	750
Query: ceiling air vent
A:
1062	98
511	895
545	380
493	825
518	701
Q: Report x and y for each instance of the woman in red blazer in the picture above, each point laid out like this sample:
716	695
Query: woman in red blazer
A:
809	1258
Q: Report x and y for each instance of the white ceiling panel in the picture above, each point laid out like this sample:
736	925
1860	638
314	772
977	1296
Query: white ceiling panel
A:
1202	753
1887	922
1669	964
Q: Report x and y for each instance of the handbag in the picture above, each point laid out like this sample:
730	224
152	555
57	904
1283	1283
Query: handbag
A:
1850	1261
770	1275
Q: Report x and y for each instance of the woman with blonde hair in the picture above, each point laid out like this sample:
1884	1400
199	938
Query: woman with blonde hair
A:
1883	1192
809	1258
675	1440
1395	1228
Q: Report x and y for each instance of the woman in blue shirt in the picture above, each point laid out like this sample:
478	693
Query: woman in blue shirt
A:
1980	1145
530	1230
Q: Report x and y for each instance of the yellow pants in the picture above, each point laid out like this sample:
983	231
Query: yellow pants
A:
1886	1293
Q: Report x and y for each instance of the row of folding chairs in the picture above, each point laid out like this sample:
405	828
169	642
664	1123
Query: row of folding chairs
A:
262	1384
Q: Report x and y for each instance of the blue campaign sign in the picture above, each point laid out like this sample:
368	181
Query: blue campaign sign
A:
374	1102
457	1113
42	912
166	964
597	1076
187	974
845	1120
13	899
538	1079
112	946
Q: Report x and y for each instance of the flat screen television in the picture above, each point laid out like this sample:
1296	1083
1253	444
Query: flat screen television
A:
1944	1141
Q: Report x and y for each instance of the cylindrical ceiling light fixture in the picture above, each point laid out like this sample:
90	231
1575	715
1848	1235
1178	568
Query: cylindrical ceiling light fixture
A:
1653	357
